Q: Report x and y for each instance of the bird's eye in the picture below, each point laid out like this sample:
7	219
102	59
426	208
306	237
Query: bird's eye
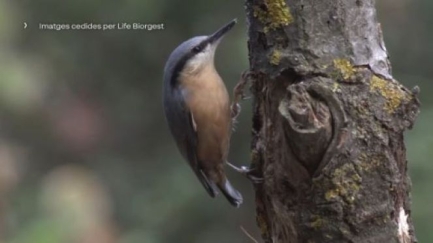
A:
198	49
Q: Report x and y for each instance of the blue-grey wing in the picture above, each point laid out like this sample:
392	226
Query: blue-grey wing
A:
182	127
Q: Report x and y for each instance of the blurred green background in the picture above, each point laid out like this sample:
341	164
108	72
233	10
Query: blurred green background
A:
85	154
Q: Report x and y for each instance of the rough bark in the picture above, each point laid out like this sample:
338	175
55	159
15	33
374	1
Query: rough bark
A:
328	124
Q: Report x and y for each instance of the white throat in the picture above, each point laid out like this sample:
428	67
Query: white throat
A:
201	60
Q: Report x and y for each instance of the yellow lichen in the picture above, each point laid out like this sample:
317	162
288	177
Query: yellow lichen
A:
335	87
346	184
344	67
317	222
390	91
360	132
331	194
275	57
263	226
275	14
254	156
369	163
361	110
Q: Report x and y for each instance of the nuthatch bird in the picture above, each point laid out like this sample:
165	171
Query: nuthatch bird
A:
197	108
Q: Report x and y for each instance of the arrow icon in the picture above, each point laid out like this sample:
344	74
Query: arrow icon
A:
25	25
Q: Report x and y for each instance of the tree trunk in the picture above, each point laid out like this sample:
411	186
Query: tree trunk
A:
328	124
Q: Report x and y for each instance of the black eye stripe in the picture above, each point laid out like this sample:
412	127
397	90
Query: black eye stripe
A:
198	49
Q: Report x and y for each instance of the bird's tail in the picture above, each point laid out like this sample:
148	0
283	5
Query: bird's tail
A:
207	184
232	195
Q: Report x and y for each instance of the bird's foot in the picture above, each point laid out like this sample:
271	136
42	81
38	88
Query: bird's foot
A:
239	94
247	172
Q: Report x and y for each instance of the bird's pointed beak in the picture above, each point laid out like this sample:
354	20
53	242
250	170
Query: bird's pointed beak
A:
216	37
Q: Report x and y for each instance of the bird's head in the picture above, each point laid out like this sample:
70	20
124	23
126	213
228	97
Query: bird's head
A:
194	54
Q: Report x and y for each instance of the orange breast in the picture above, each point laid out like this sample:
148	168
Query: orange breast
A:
208	100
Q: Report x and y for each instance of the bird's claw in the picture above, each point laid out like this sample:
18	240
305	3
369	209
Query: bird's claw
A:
247	172
238	91
239	94
235	110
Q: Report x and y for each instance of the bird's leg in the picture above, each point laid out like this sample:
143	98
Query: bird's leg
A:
238	94
246	172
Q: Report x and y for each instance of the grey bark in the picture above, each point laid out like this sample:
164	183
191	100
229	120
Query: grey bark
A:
328	124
